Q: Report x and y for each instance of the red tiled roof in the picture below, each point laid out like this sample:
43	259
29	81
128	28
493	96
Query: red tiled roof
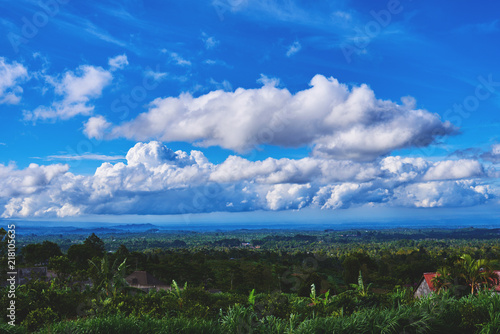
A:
428	278
497	287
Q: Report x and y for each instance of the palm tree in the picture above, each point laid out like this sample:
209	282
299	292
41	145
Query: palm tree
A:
442	280
476	272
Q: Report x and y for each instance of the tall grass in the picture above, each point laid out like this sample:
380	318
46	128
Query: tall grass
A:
9	329
120	324
442	313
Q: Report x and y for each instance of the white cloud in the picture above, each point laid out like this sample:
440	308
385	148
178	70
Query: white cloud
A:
118	62
156	75
76	90
176	58
156	180
340	196
451	169
293	49
288	196
218	62
442	194
338	122
95	127
209	41
14	182
11	75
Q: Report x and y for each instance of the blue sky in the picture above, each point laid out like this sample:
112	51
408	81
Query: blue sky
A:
248	107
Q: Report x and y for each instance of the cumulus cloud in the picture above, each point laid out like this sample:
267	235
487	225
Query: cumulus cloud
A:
95	127
337	121
11	75
76	90
118	62
442	194
288	196
14	182
157	180
451	169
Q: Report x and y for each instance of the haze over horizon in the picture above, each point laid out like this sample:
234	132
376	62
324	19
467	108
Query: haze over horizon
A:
241	110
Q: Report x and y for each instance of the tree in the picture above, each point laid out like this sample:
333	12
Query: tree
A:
95	244
92	247
122	253
3	242
476	272
40	253
443	279
61	265
80	255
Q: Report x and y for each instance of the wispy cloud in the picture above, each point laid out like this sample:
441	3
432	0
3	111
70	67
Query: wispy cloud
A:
293	49
176	58
156	75
209	41
85	156
78	25
216	62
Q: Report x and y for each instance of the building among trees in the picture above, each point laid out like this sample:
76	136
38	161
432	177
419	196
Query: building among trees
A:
145	281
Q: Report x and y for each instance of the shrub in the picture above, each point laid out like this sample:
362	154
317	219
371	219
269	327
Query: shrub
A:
39	317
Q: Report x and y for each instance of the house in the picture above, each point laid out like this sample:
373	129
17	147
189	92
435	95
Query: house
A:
24	275
145	281
425	286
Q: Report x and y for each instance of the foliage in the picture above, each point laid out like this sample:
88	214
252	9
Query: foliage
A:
119	324
239	319
360	287
39	317
40	253
313	282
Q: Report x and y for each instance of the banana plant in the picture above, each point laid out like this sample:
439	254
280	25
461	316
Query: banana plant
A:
178	292
360	287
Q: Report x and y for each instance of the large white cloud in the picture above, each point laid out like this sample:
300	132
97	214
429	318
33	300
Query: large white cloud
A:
157	180
11	75
337	121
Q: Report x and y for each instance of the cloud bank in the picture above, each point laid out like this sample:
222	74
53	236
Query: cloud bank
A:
157	180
